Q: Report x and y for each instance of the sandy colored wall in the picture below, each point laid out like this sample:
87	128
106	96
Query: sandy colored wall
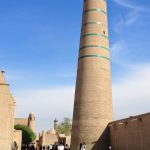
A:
18	138
68	140
131	134
21	121
7	107
49	139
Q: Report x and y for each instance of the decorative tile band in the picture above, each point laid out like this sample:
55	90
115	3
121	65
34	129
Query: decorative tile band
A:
95	9
94	22
91	46
94	34
94	55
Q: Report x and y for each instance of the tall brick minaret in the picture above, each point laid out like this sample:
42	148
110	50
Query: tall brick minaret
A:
93	96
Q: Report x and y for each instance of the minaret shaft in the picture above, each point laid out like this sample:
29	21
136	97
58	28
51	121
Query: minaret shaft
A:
93	97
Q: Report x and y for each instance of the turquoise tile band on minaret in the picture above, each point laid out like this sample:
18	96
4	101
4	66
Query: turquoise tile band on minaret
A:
94	46
94	34
94	55
96	10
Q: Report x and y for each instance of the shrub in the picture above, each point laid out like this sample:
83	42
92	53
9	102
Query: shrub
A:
27	134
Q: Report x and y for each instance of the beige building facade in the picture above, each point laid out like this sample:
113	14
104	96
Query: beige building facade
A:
93	95
47	138
18	138
7	111
29	122
132	133
51	136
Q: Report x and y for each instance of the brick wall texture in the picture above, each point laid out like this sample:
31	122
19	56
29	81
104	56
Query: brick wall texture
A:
18	138
47	138
7	108
93	97
21	121
130	134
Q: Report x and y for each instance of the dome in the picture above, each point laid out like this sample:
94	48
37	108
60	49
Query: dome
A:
32	113
51	131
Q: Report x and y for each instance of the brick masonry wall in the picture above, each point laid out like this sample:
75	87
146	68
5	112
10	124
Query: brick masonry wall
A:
130	134
93	97
7	108
18	138
46	138
21	121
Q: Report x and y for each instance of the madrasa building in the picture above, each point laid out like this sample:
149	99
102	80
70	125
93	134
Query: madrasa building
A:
52	137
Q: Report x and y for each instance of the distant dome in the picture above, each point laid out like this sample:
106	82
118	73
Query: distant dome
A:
62	135
32	113
51	131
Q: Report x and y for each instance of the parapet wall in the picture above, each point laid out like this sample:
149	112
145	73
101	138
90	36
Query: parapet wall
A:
18	138
47	138
131	134
21	121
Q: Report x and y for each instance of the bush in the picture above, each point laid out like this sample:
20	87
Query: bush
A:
27	134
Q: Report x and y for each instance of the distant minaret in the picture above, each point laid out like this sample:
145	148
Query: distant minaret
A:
93	95
55	124
31	121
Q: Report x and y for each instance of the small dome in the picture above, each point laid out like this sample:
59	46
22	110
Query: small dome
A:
62	135
32	113
51	131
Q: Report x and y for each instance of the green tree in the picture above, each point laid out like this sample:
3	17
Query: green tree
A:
65	127
27	134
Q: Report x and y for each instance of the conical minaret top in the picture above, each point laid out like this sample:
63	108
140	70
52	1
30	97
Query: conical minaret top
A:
2	79
4	87
93	97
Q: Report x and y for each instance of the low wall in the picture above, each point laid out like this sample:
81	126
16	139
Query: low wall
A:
18	138
130	134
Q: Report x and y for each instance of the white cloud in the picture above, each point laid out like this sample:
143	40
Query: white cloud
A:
47	104
131	17
127	20
131	95
119	50
129	4
117	47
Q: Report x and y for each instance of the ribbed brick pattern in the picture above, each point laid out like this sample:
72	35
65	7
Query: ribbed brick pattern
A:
7	107
131	134
93	98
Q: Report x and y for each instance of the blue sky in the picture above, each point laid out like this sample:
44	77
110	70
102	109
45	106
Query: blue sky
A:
39	43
